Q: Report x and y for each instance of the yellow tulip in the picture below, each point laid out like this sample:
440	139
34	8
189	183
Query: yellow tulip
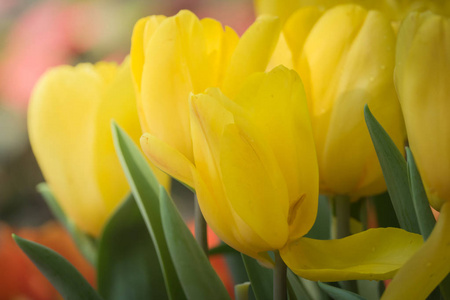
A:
256	176
262	149
175	56
422	78
422	75
69	126
345	57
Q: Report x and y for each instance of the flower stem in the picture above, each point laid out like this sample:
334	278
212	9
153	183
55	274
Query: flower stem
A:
279	278
200	227
342	204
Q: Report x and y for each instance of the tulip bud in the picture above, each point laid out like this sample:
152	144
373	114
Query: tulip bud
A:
173	57
422	78
345	58
69	126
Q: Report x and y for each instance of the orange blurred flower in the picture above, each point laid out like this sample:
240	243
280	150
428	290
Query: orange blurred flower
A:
19	278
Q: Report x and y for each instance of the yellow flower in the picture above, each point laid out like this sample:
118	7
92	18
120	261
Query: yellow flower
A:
422	75
256	176
422	78
345	57
69	126
173	57
256	157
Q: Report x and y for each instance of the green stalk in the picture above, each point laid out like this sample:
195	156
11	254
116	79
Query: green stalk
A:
342	205
279	278
200	227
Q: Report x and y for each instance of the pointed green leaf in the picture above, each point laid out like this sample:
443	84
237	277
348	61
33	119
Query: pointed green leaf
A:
423	211
339	294
198	278
84	242
395	174
62	275
128	266
145	189
261	278
295	287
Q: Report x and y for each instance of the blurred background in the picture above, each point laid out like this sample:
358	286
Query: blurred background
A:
36	35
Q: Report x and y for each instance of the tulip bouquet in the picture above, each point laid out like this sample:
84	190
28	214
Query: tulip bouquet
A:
316	97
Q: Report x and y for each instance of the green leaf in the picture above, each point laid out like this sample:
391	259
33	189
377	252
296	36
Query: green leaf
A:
261	278
84	242
198	278
395	173
339	294
420	200
145	189
128	266
295	287
62	275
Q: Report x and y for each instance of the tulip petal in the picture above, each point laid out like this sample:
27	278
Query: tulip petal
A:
281	55
275	103
252	53
252	187
428	267
171	71
374	254
167	159
142	33
209	121
298	27
220	45
226	224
